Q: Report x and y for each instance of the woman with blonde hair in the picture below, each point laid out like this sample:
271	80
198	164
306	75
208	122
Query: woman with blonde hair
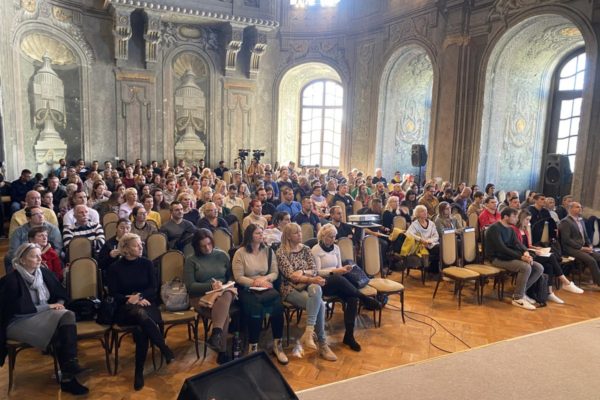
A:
131	201
302	287
190	212
328	262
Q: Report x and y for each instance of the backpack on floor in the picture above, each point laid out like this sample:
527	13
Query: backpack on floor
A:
539	290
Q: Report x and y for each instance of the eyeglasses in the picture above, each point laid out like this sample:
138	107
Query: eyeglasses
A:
36	214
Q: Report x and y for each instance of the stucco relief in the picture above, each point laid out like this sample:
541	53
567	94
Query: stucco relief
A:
205	38
238	123
329	48
502	9
362	104
419	25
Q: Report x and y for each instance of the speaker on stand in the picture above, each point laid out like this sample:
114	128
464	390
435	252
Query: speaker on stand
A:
557	176
418	158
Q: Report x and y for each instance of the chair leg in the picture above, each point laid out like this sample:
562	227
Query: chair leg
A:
288	319
437	285
402	306
195	330
206	328
459	286
12	359
57	371
106	346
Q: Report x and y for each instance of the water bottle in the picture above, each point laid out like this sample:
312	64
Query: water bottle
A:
236	346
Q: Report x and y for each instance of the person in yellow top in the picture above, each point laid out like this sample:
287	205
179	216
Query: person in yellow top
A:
32	199
154	216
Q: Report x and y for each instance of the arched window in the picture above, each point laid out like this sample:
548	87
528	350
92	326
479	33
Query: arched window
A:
321	123
566	110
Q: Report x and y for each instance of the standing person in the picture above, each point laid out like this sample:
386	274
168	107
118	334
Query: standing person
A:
132	283
505	251
328	263
32	308
254	266
302	287
208	269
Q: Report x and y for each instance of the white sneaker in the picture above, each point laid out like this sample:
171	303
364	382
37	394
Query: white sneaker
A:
555	298
523	304
529	300
571	287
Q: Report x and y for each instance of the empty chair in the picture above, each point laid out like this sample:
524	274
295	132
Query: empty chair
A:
222	239
485	271
238	212
400	222
156	245
110	230
346	248
110	216
308	231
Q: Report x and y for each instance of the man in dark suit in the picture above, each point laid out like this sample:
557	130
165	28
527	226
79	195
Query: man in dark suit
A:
575	241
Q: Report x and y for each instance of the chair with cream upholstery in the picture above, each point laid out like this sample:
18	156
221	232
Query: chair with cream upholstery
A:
308	231
79	247
450	270
156	245
109	217
222	239
485	271
110	230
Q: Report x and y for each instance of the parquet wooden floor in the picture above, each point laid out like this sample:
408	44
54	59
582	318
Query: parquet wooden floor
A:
391	345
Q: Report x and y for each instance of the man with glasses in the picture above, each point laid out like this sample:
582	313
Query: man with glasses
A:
83	226
232	200
80	198
429	200
212	221
35	218
32	199
140	224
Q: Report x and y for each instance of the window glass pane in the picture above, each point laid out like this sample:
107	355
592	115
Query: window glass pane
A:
572	145
579	81
572	162
562	146
577	107
314	159
564	128
574	126
581	60
337	140
569	69
313	94
566	107
567	84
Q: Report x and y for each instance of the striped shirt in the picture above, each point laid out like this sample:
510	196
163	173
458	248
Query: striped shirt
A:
92	230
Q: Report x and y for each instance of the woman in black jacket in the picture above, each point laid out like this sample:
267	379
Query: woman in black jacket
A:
32	304
132	283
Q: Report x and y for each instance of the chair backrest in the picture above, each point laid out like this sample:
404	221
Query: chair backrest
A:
238	212
371	255
329	198
356	206
82	279
308	231
501	196
165	215
110	216
227	177
346	248
222	239
596	234
236	232
469	242
246	201
171	266
342	206
474	223
110	230
156	245
546	233
448	248
153	223
311	242
80	247
400	222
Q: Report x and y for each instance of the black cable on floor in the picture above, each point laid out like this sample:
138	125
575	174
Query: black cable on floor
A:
395	308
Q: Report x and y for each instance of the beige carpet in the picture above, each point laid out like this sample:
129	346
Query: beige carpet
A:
562	363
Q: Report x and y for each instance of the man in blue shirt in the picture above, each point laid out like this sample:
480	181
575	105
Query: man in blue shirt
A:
288	204
306	215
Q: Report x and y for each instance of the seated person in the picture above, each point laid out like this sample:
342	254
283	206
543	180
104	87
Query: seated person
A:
343	196
268	209
393	210
306	215
272	235
79	198
477	204
423	230
288	204
140	225
86	228
445	220
254	266
127	207
178	230
110	251
319	202
505	251
208	269
32	199
540	216
211	220
50	258
190	213
255	217
32	306
429	200
328	263
490	214
343	229
301	286
232	200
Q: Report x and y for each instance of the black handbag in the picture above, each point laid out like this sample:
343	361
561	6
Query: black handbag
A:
106	311
357	277
84	309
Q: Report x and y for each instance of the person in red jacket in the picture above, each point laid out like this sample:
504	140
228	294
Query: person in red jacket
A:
490	214
50	258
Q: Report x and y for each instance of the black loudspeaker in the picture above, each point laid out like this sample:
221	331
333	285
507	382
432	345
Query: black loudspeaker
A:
252	377
418	156
557	175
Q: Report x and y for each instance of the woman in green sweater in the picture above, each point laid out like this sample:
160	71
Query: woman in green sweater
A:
208	269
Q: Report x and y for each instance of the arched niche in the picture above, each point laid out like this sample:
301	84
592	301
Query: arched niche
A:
404	116
288	116
73	72
517	88
174	65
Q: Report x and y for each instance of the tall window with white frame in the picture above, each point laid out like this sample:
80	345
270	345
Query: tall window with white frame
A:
566	106
321	111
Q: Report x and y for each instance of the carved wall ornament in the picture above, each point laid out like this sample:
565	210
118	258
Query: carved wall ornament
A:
151	36
409	127
552	39
62	14
171	34
410	27
502	9
456	40
29	5
232	48
121	31
38	45
330	48
190	62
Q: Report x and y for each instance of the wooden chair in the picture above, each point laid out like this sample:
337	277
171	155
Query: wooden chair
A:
238	212
473	221
171	266
110	230
342	206
400	222
13	348
545	233
246	201
236	233
371	256
289	310
308	231
156	245
356	206
227	177
79	247
83	281
109	217
596	235
470	262
165	215
222	239
450	270
501	195
346	248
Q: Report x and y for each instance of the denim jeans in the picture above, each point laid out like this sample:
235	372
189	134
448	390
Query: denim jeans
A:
311	300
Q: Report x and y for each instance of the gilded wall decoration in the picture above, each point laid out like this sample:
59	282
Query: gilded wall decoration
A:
39	45
552	39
